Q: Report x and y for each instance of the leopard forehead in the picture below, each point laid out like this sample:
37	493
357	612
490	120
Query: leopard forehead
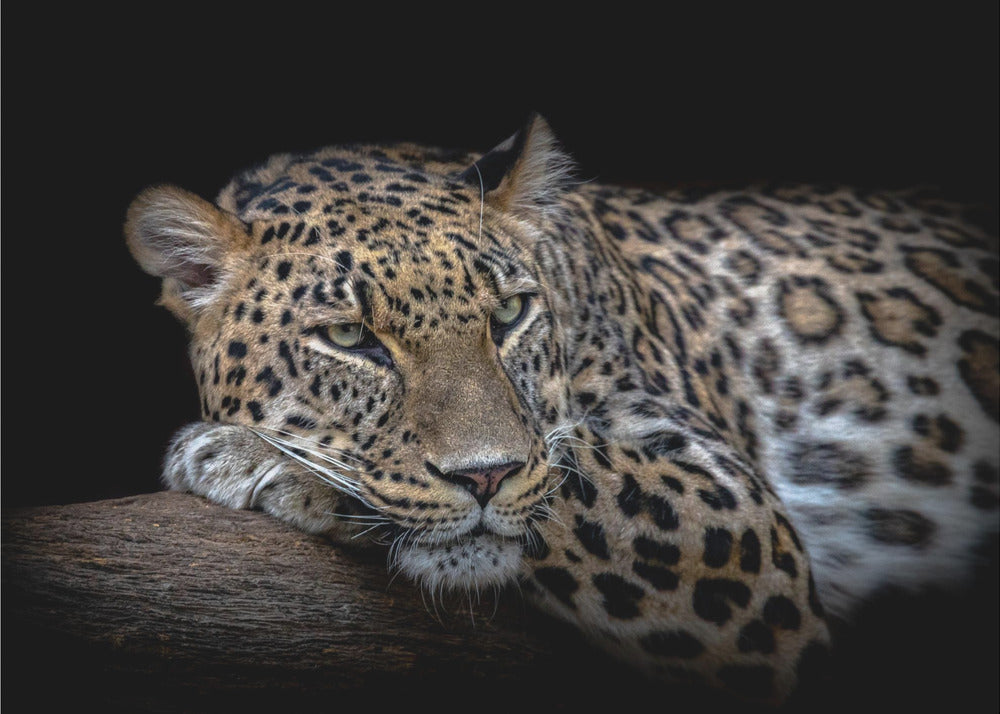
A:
350	182
374	235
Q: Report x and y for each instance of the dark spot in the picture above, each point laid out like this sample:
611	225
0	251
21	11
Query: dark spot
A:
255	410
600	454
980	369
267	376
828	463
591	536
632	500
914	465
575	485
899	527
673	484
559	582
286	354
344	261
659	578
237	349
713	595
718	498
781	612
662	513
653	550
749	552
922	386
620	596
663	443
718	546
782	559
301	422
949	434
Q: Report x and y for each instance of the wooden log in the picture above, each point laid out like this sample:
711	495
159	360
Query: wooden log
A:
164	601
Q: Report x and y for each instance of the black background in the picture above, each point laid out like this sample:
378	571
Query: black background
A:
96	376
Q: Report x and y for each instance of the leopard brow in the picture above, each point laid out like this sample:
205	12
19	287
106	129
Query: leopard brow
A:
331	315
353	306
519	285
504	286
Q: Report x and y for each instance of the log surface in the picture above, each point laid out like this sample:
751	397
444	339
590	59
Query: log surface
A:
164	601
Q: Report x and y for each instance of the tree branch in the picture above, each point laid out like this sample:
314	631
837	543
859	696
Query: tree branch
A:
166	601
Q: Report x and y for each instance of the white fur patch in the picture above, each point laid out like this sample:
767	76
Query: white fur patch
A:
474	564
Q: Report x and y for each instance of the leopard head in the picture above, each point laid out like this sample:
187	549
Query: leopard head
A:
377	316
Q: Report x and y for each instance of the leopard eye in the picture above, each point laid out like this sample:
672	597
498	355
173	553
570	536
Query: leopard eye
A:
347	335
355	337
509	310
507	314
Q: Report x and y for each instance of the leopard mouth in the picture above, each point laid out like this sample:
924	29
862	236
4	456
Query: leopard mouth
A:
475	561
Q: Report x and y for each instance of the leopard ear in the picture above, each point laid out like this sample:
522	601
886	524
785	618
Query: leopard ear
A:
524	175
182	238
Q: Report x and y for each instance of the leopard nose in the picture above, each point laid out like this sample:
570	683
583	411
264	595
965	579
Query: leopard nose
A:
482	482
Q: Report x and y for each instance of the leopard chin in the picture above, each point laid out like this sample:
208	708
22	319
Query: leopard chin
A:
473	563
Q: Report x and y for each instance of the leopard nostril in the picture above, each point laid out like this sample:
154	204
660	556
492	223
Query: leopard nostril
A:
482	482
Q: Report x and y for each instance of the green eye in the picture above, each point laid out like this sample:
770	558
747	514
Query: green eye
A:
507	314
509	310
357	338
346	335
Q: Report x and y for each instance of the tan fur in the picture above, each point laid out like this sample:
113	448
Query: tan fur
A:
708	400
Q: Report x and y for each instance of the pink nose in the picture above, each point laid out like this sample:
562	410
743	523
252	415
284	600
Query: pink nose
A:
483	483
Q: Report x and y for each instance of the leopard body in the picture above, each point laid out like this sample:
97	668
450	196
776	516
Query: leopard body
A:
698	424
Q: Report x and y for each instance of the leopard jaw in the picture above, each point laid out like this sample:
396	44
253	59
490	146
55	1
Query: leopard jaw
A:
473	563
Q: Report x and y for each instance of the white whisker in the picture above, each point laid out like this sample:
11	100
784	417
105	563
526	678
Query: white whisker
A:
328	476
340	452
482	198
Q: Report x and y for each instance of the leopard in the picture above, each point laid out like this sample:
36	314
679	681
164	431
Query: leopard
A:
700	425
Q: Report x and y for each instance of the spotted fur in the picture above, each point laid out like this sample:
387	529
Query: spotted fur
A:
717	420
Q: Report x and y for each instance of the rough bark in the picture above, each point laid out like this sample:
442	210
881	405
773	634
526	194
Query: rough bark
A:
164	601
